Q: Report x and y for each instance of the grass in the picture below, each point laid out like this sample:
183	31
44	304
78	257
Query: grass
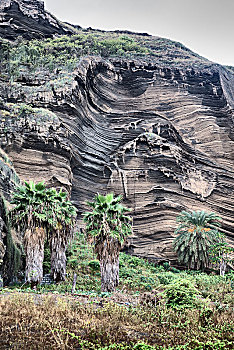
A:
50	322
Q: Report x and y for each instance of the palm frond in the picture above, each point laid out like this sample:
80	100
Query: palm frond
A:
196	231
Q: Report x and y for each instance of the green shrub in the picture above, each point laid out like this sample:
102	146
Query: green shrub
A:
166	277
47	258
94	265
181	293
143	346
205	315
65	51
73	263
138	346
166	266
174	270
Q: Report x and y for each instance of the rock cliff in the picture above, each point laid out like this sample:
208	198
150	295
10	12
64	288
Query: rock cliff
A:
157	128
28	19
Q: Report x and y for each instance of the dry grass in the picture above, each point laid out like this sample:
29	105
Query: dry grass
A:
51	322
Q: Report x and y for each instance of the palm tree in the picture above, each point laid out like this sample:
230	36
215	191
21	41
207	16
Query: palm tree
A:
39	211
197	231
63	214
29	217
109	226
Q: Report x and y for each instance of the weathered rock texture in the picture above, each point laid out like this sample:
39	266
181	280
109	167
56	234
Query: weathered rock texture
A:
160	134
28	19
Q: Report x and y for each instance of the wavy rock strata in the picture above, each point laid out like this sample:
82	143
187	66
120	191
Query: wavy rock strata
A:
162	137
28	19
161	134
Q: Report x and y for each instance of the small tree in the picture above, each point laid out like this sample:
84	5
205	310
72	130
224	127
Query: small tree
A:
220	253
109	226
197	231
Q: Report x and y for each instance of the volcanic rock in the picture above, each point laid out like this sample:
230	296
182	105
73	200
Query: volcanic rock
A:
28	19
158	130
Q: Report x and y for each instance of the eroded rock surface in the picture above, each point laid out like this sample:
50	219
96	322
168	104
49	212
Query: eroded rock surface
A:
28	19
160	133
162	137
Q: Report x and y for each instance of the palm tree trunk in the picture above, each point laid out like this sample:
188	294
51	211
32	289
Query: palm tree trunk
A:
58	245
34	250
109	274
109	264
222	267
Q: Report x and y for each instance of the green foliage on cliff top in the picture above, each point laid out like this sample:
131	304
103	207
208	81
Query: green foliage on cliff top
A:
12	113
65	51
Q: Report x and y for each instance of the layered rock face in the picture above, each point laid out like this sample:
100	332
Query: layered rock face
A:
162	135
28	19
166	141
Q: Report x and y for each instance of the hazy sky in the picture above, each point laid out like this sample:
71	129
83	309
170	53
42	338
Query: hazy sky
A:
205	26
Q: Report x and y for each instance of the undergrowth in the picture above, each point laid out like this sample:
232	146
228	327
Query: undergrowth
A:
154	308
137	276
45	322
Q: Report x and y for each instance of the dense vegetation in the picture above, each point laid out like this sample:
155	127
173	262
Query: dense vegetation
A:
155	307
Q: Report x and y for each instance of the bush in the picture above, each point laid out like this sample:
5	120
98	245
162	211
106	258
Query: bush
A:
166	266
167	277
94	265
143	346
181	293
205	315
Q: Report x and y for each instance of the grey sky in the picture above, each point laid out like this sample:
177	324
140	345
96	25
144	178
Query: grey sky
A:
205	26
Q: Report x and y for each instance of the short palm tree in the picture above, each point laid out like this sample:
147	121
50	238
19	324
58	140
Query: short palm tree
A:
197	231
29	217
62	215
38	211
109	226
